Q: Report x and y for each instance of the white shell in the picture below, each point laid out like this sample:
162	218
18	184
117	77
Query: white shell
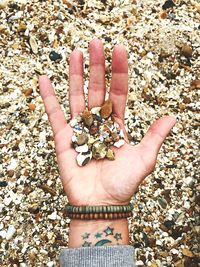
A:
96	110
73	122
121	133
119	143
74	138
83	148
80	158
33	44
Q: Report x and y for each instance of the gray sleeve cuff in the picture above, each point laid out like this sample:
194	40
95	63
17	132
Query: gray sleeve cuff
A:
105	256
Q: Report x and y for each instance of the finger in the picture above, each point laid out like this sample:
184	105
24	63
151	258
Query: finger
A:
76	93
157	133
52	107
119	81
96	90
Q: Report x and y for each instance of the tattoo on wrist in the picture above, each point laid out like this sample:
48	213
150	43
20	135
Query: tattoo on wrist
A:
106	237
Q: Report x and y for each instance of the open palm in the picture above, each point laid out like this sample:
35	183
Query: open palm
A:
101	182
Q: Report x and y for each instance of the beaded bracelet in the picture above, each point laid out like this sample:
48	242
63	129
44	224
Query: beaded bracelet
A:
95	216
99	212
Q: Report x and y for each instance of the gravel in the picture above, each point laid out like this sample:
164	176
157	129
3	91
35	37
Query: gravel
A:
164	67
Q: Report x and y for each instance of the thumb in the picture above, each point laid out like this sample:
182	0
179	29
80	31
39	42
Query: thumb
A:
157	133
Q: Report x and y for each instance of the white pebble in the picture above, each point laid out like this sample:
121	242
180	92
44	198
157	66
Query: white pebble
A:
50	264
53	216
83	148
7	200
96	110
3	233
74	138
10	232
80	158
73	122
119	143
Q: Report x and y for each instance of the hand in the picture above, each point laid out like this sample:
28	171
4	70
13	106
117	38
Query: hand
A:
101	182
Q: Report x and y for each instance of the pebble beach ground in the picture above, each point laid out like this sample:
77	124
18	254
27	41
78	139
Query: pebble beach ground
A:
162	39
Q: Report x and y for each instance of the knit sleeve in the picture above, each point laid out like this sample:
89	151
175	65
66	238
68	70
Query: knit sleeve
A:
105	256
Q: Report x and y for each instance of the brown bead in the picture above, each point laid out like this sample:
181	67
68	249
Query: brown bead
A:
110	216
82	216
106	215
101	215
96	216
119	215
115	216
91	216
86	216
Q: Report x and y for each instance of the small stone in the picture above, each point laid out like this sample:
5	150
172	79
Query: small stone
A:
115	137
106	109
186	50
33	44
168	4
110	154
99	150
83	148
93	129
11	231
55	56
95	110
162	202
119	143
187	252
3	184
195	84
10	173
87	117
28	92
82	158
31	106
81	139
73	122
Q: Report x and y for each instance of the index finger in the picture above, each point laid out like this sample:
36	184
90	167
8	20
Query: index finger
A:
52	107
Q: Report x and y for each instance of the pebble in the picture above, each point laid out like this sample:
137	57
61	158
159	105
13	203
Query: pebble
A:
82	159
96	110
87	117
99	150
187	252
10	232
186	51
3	184
168	4
106	109
110	154
31	106
119	143
55	56
33	44
83	148
195	84
81	139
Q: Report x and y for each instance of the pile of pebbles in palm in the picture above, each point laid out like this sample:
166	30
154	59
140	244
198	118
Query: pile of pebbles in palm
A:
95	132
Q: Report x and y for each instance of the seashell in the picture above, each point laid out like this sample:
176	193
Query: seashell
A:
106	109
119	143
87	118
81	139
83	158
73	138
99	150
33	44
95	110
110	154
73	122
83	148
121	133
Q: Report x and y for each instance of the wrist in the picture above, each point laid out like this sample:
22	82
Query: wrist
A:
90	233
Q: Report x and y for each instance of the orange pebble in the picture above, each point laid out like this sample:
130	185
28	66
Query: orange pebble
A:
31	106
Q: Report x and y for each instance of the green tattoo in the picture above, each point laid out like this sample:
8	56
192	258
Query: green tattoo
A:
102	236
98	235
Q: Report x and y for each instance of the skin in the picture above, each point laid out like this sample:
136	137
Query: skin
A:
101	182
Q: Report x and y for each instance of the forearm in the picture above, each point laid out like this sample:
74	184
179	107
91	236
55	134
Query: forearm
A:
84	233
